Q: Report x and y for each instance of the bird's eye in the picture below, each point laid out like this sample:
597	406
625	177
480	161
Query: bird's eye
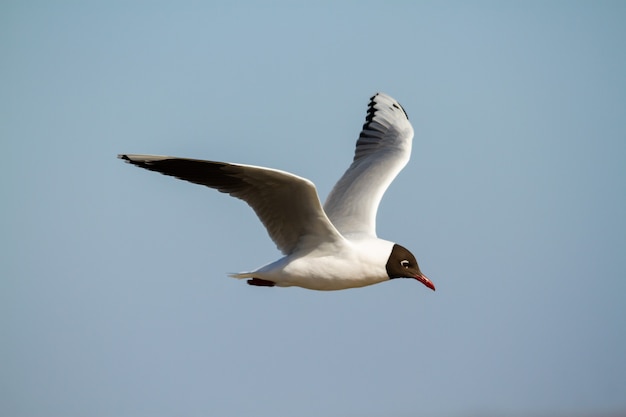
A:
404	263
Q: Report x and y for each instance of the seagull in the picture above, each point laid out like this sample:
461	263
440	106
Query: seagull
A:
333	247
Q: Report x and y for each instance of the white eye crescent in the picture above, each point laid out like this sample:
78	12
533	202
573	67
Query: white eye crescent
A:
404	263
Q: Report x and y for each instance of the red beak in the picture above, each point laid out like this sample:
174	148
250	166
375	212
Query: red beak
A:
425	281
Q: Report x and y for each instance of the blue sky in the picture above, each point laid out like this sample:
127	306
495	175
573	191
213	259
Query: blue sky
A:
114	292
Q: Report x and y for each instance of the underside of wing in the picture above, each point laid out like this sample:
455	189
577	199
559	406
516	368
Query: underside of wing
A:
287	205
382	150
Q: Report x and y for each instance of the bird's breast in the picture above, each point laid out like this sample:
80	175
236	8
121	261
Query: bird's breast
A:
354	266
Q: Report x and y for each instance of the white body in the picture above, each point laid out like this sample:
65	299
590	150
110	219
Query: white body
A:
329	267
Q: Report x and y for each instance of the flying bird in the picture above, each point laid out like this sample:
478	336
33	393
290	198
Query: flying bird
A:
333	247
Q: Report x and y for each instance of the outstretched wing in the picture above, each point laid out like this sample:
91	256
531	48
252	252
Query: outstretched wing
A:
383	149
287	205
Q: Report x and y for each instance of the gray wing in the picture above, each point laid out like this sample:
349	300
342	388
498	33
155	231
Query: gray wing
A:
382	150
287	205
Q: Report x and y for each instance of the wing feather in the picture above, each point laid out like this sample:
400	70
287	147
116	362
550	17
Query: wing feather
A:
382	150
287	205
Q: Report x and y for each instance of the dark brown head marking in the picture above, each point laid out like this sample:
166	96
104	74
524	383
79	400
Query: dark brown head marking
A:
402	264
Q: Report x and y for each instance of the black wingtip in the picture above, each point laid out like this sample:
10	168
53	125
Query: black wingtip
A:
129	160
138	163
397	105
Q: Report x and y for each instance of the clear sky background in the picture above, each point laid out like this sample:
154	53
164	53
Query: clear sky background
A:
114	295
